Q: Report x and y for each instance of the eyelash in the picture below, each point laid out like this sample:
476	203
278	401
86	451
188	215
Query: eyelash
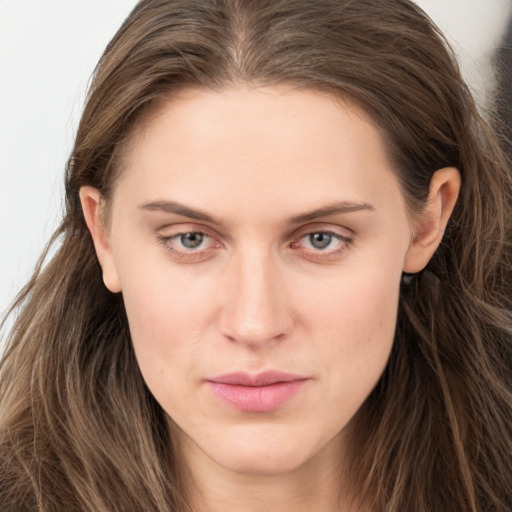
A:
193	255
343	243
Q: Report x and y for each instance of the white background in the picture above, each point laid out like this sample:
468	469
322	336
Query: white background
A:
48	50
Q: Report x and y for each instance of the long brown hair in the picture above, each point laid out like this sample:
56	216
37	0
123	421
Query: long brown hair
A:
79	429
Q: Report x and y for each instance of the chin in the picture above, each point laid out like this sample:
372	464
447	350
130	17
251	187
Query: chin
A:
267	452
262	464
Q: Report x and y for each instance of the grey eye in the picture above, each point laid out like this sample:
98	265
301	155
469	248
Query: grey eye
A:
191	240
320	240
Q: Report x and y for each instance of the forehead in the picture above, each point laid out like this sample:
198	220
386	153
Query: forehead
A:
286	145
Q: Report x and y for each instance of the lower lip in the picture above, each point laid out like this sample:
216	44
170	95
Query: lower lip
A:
257	398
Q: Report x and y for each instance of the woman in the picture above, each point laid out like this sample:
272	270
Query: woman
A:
283	280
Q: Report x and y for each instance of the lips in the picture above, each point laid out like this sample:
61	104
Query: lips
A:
262	392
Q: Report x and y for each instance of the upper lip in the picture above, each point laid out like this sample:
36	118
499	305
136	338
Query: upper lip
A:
258	379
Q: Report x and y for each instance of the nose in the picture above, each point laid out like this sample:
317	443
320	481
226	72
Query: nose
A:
255	310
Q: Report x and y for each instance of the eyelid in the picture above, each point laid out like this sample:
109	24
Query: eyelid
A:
168	234
335	235
171	232
322	227
344	235
179	228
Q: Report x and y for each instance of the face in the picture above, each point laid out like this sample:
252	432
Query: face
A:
258	237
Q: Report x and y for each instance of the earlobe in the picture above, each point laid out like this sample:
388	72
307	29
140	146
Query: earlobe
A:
430	226
90	199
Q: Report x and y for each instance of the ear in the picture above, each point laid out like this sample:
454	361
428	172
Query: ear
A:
428	230
91	200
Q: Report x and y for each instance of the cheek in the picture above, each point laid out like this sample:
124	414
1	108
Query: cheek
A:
353	327
361	319
168	314
359	303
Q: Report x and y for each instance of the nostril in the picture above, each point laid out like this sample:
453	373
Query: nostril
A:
255	310
256	327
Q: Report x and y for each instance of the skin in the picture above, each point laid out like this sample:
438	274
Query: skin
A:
258	293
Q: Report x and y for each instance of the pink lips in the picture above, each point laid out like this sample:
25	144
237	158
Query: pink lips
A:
263	392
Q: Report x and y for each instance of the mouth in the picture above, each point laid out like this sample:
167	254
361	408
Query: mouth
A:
263	392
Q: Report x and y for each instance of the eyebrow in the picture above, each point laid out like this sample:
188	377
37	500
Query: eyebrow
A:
195	214
179	209
332	209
